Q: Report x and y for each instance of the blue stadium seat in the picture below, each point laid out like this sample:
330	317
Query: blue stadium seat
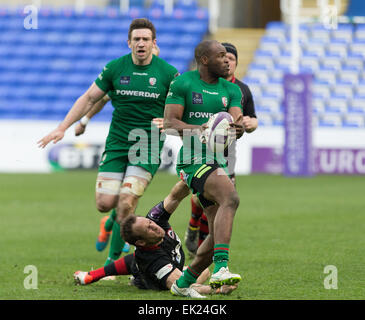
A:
344	88
319	33
29	79
284	61
354	61
343	32
68	51
349	74
269	102
270	44
264	61
318	105
274	89
326	74
332	61
357	47
255	88
258	74
277	119
338	47
265	119
330	120
309	62
315	47
359	33
353	120
337	104
321	89
360	88
357	104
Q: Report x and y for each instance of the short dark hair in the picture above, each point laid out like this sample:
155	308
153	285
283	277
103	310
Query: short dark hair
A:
142	23
203	49
126	229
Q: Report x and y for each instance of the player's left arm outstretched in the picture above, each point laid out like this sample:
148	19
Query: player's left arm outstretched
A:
82	105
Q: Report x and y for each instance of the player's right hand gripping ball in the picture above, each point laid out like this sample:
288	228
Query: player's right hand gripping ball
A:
218	136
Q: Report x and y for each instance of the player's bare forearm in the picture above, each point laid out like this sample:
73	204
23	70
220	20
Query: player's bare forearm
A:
82	106
98	106
176	195
173	124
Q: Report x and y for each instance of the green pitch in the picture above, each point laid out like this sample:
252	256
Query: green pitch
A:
286	231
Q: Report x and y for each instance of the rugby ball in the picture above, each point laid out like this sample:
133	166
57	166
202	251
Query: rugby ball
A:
218	138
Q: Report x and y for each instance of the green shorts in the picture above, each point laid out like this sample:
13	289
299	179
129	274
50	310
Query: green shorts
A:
195	175
118	161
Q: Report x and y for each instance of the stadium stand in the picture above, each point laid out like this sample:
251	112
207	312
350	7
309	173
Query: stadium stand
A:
335	58
45	70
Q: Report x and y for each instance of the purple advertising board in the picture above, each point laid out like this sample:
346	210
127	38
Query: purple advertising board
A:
298	156
325	160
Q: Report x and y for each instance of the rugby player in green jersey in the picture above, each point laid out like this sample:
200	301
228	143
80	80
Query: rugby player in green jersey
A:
193	97
138	83
108	227
198	224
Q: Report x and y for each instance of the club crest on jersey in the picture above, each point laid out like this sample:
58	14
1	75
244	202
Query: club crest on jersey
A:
125	79
225	101
152	81
197	98
171	233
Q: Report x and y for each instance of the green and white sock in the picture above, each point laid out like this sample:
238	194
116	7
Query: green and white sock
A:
221	254
110	222
188	277
116	244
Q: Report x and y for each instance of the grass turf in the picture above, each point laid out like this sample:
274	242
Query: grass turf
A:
286	231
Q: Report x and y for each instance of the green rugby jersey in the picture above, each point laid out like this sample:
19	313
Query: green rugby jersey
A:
201	100
137	94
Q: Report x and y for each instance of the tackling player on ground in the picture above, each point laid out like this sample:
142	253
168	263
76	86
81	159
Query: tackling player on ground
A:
158	259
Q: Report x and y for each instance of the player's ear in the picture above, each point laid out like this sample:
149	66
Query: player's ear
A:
204	60
129	44
140	243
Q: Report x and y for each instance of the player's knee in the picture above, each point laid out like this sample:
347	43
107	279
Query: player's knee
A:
133	186
126	205
233	200
104	206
